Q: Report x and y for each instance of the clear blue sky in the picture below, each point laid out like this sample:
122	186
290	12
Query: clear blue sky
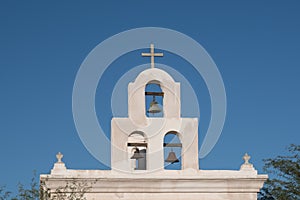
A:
255	44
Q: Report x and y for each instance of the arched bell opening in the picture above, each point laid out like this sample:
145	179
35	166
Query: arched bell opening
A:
154	100
172	151
137	150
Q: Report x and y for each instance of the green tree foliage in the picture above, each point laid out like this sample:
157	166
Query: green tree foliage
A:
73	190
4	195
31	193
284	172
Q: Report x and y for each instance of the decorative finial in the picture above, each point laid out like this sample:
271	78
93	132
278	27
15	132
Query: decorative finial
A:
247	165
246	158
152	55
59	156
59	166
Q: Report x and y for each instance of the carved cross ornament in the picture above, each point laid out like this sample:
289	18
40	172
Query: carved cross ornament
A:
59	156
246	158
152	55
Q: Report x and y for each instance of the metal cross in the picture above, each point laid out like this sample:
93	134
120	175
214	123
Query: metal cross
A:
152	55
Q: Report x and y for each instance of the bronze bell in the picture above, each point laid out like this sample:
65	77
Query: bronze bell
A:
172	158
137	154
154	108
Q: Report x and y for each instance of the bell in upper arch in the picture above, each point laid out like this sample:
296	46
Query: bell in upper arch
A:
154	108
137	154
172	157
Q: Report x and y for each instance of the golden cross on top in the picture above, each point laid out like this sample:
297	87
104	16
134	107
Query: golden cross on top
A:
152	55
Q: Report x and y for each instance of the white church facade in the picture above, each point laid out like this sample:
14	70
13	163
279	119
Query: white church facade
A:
140	153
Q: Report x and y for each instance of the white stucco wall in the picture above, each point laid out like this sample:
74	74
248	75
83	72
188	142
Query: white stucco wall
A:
154	129
123	182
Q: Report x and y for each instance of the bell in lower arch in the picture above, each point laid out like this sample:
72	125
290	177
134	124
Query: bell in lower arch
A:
137	154
154	108
172	158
